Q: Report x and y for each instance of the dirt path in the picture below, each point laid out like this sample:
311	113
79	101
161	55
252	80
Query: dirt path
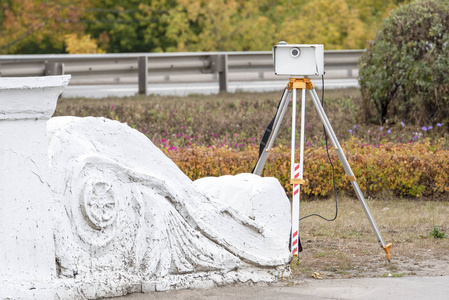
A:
349	259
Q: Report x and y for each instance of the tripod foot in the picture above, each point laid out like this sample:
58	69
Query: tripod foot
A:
387	250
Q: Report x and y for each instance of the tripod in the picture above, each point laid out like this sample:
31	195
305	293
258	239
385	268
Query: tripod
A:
293	86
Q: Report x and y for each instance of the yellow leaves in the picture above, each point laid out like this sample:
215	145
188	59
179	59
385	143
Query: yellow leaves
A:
81	45
408	170
193	9
321	22
38	22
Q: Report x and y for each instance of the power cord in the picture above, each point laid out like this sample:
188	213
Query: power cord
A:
332	165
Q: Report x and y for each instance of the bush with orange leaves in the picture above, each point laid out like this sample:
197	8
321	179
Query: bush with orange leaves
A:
417	169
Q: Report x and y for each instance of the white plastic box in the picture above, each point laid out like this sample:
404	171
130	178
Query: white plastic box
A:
298	60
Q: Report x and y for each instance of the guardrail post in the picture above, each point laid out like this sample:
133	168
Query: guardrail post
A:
219	63
142	65
223	74
349	73
53	68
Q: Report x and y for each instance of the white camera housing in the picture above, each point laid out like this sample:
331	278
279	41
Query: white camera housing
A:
298	60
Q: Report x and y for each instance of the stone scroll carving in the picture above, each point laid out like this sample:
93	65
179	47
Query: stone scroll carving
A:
127	219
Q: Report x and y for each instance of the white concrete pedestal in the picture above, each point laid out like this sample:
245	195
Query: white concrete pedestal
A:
27	252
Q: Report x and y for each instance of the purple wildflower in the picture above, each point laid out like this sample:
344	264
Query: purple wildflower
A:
439	124
424	128
402	124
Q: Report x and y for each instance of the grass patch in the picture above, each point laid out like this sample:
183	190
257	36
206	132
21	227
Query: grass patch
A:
238	120
337	248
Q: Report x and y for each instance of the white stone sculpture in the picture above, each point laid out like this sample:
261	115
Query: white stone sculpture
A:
124	210
125	219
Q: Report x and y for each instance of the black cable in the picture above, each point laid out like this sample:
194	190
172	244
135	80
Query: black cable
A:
332	165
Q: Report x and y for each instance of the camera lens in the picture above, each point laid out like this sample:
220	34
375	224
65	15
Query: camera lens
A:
295	52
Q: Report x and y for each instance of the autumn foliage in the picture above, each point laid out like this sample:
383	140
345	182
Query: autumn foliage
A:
416	170
42	26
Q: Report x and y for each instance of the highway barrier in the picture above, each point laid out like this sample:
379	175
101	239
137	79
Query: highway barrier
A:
148	68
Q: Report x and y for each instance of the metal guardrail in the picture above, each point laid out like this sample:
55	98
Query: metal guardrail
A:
145	68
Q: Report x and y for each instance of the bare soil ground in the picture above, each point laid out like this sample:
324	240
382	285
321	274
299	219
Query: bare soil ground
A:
347	247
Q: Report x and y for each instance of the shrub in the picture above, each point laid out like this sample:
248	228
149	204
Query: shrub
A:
417	169
405	70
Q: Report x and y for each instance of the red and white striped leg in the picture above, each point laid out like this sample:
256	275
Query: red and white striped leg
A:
295	213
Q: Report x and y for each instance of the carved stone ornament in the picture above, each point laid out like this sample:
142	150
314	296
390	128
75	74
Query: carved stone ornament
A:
98	204
127	217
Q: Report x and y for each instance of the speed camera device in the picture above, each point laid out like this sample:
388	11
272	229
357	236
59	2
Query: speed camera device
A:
298	60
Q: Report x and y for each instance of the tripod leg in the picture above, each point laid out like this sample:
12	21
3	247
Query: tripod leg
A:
294	174
348	170
297	173
277	123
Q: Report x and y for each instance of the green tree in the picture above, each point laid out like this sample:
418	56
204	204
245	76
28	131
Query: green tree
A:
182	25
128	26
405	71
222	26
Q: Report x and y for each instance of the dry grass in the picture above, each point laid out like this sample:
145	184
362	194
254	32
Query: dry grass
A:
348	247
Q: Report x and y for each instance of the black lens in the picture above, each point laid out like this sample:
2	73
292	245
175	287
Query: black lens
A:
295	52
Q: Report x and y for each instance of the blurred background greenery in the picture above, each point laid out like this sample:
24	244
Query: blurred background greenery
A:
113	26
